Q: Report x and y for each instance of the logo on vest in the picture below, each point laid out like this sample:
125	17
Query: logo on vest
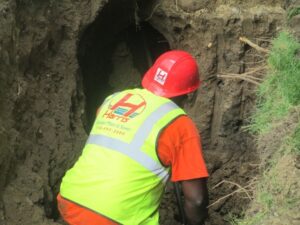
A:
127	108
160	76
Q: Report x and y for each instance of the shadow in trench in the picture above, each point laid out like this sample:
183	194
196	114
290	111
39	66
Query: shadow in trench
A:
114	53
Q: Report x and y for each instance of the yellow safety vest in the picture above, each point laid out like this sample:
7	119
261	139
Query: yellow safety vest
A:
119	174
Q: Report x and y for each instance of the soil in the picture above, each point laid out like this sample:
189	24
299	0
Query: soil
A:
281	174
59	59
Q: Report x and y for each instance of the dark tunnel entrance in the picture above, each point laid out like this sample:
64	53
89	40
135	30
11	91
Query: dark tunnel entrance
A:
114	52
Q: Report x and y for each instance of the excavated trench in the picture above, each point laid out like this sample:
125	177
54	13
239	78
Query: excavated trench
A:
62	58
113	53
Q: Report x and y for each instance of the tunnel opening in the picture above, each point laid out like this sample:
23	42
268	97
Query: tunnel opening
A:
114	52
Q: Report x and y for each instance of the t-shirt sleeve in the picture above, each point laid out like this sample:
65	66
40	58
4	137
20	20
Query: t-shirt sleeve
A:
179	146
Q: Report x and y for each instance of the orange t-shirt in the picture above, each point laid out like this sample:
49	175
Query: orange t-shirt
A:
179	146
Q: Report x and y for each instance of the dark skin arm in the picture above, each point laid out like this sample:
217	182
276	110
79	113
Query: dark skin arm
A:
195	191
195	200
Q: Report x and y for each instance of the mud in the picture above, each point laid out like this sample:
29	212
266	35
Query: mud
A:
59	59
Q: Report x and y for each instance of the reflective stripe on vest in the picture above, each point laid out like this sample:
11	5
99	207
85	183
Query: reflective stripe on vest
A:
133	149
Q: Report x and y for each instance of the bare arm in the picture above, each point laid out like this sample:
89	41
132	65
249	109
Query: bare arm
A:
195	200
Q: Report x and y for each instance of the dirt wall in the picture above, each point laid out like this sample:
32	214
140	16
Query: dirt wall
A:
42	112
223	106
41	103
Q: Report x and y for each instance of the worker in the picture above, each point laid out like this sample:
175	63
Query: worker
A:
139	138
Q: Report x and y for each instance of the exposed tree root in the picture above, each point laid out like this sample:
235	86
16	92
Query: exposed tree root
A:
250	43
153	11
246	189
247	76
250	76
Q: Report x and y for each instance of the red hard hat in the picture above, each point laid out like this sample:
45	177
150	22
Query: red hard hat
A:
174	73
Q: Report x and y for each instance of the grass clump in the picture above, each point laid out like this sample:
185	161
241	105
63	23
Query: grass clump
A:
293	12
281	89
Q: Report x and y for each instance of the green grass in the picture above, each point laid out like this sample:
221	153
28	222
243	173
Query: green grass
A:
293	12
278	96
280	90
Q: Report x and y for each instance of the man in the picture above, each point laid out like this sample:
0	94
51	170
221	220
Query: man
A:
139	137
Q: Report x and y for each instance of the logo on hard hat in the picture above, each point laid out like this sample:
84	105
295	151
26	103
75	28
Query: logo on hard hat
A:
160	76
130	106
